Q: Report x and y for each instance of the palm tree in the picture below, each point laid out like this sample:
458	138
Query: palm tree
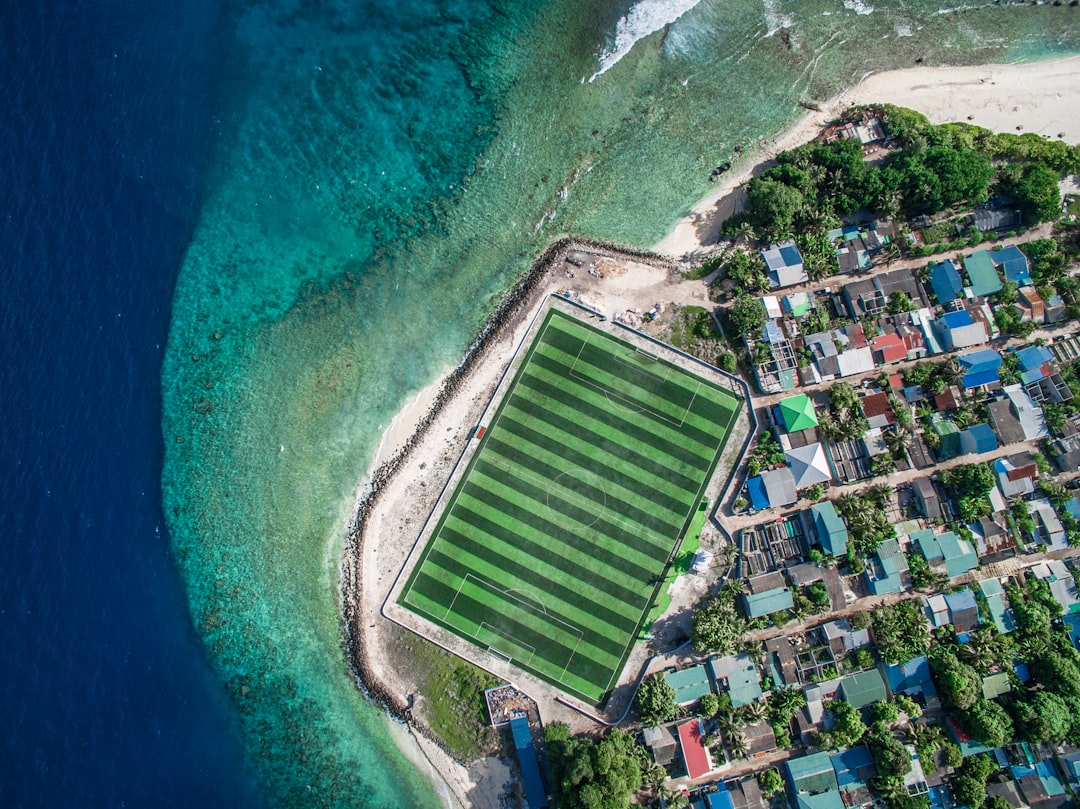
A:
754	712
745	232
880	493
755	649
952	371
897	440
727	723
738	745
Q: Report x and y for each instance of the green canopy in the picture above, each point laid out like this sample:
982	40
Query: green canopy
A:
798	413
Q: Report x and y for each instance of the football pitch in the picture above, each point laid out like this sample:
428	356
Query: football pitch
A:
555	542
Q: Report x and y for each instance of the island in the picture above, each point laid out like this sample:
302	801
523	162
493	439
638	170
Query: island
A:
790	519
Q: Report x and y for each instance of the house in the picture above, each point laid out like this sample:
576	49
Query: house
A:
661	741
1041	376
831	531
1000	612
959	330
745	793
796	304
690	684
854	770
991	537
982	274
1030	305
797	413
1016	474
948	432
813	782
979	367
888	348
1013	263
781	661
1055	309
1066	452
885	573
767	602
911	678
779	485
760	739
990	219
737	675
1050	532
927	498
809	465
1061	582
877	409
784	265
1029	415
976	439
996	685
695	754
870	296
843	638
945	281
963	610
948	552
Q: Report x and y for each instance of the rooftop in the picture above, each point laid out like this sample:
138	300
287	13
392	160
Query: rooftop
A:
982	273
798	413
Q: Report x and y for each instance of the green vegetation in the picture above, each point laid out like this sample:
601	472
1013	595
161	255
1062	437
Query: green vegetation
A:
453	689
868	524
848	728
844	420
771	783
747	315
556	540
588	774
718	626
900	632
969	785
656	700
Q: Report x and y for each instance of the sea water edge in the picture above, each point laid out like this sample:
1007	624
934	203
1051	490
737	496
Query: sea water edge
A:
386	182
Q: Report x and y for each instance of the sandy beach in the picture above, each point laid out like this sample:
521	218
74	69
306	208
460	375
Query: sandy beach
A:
1034	96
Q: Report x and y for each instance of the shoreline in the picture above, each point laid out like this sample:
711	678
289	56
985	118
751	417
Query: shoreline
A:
1020	98
691	239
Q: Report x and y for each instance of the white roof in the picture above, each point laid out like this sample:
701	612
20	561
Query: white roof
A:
1031	417
772	306
809	465
856	361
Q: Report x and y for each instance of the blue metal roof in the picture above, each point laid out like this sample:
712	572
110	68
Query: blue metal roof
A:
912	676
721	799
982	436
1033	356
759	499
791	256
983	360
981	378
1014	263
530	770
956	320
945	281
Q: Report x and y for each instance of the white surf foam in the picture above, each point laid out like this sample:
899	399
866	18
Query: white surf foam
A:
858	7
644	18
775	19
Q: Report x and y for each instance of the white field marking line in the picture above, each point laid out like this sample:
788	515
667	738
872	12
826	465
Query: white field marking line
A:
541	482
627	403
482	583
569	660
508	637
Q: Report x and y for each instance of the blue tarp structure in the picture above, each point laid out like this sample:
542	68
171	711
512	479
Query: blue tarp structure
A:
759	499
530	770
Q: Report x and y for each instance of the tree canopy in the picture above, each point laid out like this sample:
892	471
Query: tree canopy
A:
748	315
589	774
656	700
718	626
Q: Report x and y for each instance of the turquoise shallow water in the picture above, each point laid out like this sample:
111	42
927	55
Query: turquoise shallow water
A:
386	171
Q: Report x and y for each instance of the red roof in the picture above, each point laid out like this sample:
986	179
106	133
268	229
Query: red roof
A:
1029	471
696	756
895	381
891	347
877	404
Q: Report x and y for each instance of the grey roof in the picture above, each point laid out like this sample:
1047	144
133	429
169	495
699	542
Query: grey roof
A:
996	219
1005	422
779	486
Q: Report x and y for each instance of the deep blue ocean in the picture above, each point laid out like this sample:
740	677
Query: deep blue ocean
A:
107	697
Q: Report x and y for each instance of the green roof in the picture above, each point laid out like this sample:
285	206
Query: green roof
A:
690	684
928	544
960	556
831	531
798	413
982	273
744	686
813	773
863	688
823	800
999	608
768	602
995	685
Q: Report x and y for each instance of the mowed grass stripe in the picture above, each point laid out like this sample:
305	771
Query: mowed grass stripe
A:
637	472
689	425
475	609
531	464
577	616
621	367
605	534
547	541
525	443
595	407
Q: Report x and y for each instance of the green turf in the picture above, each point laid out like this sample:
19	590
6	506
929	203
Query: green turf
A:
558	537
